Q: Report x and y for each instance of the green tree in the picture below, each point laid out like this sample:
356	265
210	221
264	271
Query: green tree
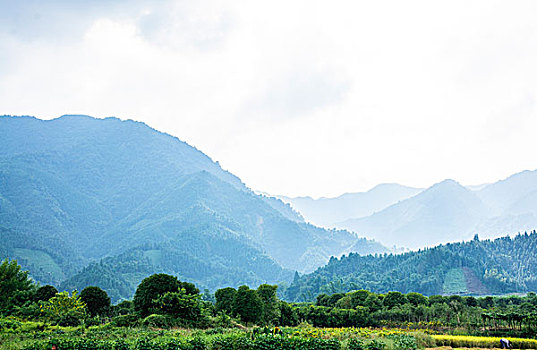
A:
15	285
358	297
224	299
373	302
471	301
248	305
416	299
322	300
288	315
190	288
345	303
180	304
44	293
150	289
393	299
65	310
271	307
96	300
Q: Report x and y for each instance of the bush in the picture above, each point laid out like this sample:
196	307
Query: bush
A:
356	344
9	323
92	321
128	320
197	344
157	321
376	344
404	342
72	318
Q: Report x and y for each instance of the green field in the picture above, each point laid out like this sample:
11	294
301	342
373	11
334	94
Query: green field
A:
39	260
19	335
455	282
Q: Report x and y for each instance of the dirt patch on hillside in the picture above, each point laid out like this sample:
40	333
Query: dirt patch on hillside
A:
473	284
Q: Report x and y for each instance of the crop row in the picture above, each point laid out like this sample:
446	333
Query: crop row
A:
225	342
457	341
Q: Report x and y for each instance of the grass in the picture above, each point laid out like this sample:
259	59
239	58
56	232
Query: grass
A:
40	259
455	282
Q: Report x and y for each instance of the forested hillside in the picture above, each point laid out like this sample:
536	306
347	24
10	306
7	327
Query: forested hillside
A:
76	189
503	265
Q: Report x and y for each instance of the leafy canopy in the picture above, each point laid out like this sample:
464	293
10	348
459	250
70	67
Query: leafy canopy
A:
13	282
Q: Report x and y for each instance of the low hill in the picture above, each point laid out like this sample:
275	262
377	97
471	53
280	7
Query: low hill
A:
503	265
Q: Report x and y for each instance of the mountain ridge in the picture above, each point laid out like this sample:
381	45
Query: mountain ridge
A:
92	189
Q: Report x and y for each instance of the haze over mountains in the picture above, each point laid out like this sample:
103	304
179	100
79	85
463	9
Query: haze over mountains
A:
327	212
444	212
75	190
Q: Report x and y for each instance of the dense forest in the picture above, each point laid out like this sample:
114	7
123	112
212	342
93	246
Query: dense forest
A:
477	267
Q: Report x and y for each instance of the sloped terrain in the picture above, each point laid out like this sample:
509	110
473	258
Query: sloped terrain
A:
77	190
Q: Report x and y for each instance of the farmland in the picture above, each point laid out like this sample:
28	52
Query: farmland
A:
16	335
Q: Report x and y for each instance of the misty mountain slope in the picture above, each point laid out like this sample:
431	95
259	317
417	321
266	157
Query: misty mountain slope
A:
504	195
444	212
90	188
503	265
201	194
213	258
326	212
512	204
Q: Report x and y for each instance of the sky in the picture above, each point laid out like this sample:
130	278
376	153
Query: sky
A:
296	98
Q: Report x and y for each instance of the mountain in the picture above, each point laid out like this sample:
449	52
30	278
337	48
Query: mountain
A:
511	195
445	212
326	212
450	212
82	198
512	203
477	267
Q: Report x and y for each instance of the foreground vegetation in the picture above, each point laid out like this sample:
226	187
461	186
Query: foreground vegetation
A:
167	314
108	337
16	335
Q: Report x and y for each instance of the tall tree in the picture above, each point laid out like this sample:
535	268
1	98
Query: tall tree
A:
224	299
180	304
44	293
248	305
150	289
271	308
96	299
14	284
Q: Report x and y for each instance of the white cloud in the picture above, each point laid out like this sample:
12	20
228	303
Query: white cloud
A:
302	97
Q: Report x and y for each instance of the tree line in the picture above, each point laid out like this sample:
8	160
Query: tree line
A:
162	300
500	266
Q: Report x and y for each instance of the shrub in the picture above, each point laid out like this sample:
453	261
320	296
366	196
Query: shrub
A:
197	344
128	320
376	344
157	321
71	318
356	344
404	342
92	321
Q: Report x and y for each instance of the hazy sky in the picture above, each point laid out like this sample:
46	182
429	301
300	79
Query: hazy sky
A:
294	97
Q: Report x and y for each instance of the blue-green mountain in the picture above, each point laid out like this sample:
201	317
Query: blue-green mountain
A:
477	267
87	201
